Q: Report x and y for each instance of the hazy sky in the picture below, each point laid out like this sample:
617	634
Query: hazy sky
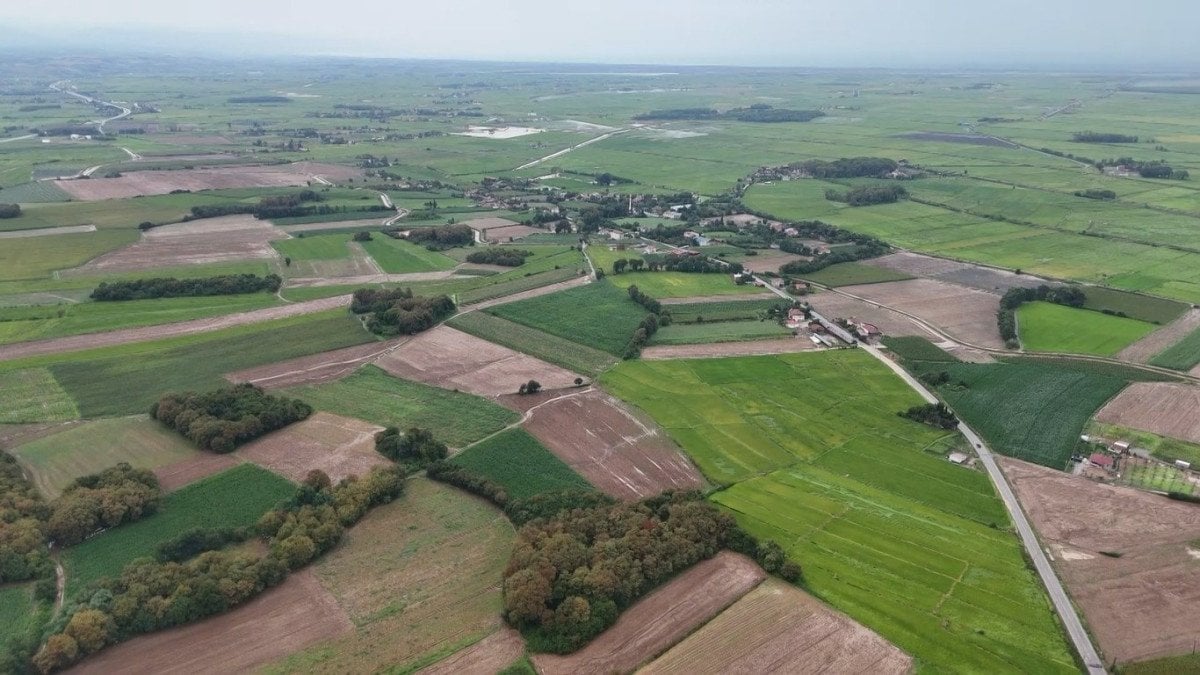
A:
760	32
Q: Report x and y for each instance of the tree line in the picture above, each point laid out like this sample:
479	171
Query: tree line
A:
223	419
154	594
170	287
1098	137
278	206
847	167
933	414
866	195
23	512
1096	193
398	311
869	248
438	238
649	324
1006	318
495	255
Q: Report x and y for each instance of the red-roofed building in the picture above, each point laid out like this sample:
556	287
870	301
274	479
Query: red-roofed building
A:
1101	460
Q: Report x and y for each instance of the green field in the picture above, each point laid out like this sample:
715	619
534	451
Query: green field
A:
34	395
883	526
314	247
914	348
570	355
1171	665
726	310
1157	477
851	273
94	446
723	331
604	254
232	498
396	256
371	394
38	257
1133	305
597	315
21	615
682	284
1047	327
126	379
1183	355
519	463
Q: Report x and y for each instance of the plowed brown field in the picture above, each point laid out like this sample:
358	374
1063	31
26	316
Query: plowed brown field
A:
490	655
211	240
963	313
138	183
315	369
1171	410
174	476
661	619
339	446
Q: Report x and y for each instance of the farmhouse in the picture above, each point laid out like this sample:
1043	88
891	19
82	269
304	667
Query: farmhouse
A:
1120	447
1102	460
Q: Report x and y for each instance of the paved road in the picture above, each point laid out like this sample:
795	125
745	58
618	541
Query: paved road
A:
1058	596
18	138
560	153
125	112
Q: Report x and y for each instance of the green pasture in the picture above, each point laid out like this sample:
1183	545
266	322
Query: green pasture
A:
724	331
682	284
1047	327
34	395
232	498
400	257
851	273
551	348
1133	305
721	310
1183	355
39	257
598	315
519	463
315	247
455	418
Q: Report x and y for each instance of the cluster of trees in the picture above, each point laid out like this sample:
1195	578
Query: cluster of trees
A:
10	210
1006	318
361	236
572	573
851	167
866	195
169	287
1154	169
442	237
278	206
649	324
151	594
494	255
755	113
23	512
398	311
1097	137
869	248
413	449
933	414
1096	193
530	387
697	264
475	483
222	419
118	495
632	264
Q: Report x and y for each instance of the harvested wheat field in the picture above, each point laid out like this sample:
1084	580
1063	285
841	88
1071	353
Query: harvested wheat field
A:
616	449
452	359
963	313
834	305
139	183
1148	347
504	234
489	223
315	369
210	240
178	474
1171	410
661	619
770	262
490	655
290	617
339	446
779	628
718	349
964	274
1141	605
420	579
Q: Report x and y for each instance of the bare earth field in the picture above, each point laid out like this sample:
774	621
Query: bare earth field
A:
138	183
451	359
489	223
1146	348
292	616
779	628
769	262
314	369
717	349
619	451
660	619
1144	604
503	234
1158	407
210	240
126	335
833	305
490	655
964	313
339	446
174	476
964	274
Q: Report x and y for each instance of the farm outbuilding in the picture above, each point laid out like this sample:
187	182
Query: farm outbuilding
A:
1101	460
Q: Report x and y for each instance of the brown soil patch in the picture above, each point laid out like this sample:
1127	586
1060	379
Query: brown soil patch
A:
314	369
489	223
503	234
339	446
364	224
833	305
138	183
661	619
451	359
616	449
748	348
779	628
147	333
490	655
210	240
964	274
1146	348
12	435
1158	407
533	293
1142	605
287	618
769	262
174	476
964	313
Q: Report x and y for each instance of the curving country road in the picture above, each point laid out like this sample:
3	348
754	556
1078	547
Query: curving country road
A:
125	112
